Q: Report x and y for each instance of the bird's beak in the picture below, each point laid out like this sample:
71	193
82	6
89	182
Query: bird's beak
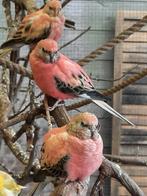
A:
98	127
92	134
54	57
94	130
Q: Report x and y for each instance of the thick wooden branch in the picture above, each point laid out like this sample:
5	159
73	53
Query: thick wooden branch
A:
110	169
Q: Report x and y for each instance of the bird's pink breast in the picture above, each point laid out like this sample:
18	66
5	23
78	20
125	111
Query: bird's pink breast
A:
86	158
57	27
44	77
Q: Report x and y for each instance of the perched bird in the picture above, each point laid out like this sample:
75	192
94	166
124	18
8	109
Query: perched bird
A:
61	78
8	186
75	150
46	22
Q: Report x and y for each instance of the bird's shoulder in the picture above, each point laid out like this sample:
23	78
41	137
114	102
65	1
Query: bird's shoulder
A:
55	145
31	18
56	135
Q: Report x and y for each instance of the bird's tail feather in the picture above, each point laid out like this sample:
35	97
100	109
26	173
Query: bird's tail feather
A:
97	95
109	109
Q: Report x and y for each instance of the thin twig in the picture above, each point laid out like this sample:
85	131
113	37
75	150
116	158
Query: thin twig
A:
20	79
22	117
4	168
24	99
77	37
48	116
29	166
116	79
7	6
11	117
18	68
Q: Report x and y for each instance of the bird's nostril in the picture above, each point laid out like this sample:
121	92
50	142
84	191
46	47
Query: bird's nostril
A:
91	134
98	126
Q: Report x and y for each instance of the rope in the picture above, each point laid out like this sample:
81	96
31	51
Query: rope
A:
112	90
126	82
118	39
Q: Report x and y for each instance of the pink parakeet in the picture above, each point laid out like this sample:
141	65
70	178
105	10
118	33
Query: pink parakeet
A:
46	22
59	77
75	150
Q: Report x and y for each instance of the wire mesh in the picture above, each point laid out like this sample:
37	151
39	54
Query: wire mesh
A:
101	16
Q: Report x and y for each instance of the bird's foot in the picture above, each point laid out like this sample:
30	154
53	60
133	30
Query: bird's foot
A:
67	181
57	103
80	183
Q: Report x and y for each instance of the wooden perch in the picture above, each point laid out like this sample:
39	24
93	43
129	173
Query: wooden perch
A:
110	169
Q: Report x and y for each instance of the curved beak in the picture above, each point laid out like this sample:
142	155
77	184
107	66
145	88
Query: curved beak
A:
53	57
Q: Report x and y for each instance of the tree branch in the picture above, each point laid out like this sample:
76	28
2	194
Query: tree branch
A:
110	169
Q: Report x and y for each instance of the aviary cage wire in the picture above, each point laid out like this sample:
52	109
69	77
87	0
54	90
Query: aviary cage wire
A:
100	16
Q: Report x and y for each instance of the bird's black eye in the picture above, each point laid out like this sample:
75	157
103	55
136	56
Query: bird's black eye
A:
83	124
44	50
51	8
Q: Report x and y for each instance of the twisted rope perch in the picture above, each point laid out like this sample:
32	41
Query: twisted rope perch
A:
110	44
112	90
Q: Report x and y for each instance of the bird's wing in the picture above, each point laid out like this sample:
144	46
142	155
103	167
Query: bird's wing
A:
39	28
31	30
71	78
57	170
54	154
109	109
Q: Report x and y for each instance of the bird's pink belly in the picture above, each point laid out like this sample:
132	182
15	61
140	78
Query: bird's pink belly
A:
57	30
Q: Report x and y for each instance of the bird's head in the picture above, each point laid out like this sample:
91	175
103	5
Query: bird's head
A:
84	126
47	50
53	8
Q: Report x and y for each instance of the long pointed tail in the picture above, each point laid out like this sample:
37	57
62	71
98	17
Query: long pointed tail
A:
109	109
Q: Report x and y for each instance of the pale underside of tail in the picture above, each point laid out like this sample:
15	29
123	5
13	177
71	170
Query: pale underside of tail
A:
109	109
